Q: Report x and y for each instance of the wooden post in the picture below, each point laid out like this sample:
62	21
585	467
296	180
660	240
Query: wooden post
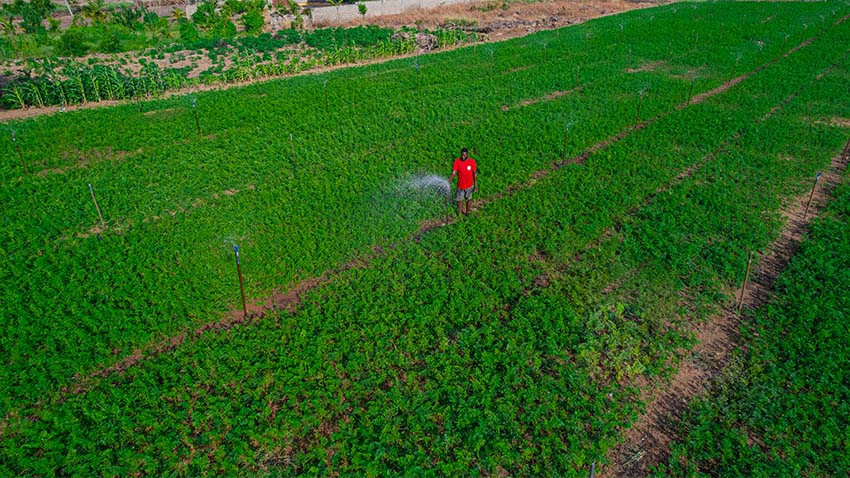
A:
102	223
811	195
744	287
241	286
20	154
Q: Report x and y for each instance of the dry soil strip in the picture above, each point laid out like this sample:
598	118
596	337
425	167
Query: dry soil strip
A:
647	443
291	299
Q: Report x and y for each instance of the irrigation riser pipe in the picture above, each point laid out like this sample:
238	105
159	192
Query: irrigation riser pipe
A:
744	287
241	286
20	154
812	194
102	223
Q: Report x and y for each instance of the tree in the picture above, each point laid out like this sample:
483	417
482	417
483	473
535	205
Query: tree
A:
95	11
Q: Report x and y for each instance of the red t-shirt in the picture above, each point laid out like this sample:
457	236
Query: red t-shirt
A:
465	172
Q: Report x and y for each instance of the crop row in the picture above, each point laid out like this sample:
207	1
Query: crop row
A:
64	83
781	407
483	345
78	303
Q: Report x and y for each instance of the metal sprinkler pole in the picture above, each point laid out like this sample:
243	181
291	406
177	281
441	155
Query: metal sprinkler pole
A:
640	103
734	68
102	223
691	92
20	154
241	286
195	111
811	195
744	287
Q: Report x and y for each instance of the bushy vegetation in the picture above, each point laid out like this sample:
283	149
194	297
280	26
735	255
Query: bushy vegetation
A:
510	342
782	408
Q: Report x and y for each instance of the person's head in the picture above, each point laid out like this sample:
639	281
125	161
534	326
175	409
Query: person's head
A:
464	153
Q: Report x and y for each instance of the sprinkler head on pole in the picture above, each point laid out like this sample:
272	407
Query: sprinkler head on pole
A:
236	250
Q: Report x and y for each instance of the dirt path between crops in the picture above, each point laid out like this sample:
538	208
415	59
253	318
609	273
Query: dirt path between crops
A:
647	443
290	300
517	19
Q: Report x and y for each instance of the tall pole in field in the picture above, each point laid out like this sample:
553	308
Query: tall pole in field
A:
811	195
20	154
241	286
640	103
691	92
102	223
566	135
195	111
744	287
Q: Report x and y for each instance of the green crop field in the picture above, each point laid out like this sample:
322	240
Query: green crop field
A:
627	167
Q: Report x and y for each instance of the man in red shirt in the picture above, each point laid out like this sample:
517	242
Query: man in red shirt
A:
467	179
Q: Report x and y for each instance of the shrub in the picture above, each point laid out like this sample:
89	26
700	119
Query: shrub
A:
72	42
253	21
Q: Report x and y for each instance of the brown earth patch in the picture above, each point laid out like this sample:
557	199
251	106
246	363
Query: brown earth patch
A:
651	66
292	298
647	443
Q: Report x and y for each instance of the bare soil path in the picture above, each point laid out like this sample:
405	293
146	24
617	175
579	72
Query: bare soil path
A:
290	299
647	442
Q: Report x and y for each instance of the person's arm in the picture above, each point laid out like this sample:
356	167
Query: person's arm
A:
475	180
